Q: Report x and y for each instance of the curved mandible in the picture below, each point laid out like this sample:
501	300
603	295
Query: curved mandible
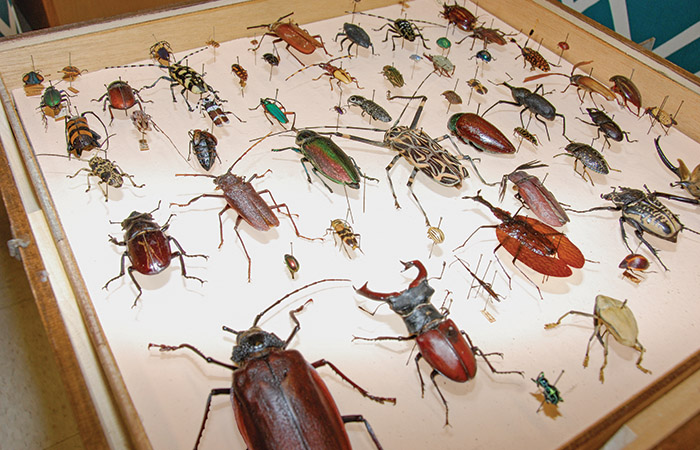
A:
422	273
379	296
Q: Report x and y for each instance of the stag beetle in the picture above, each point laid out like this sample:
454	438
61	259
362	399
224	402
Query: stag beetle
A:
644	212
606	125
447	349
279	399
688	180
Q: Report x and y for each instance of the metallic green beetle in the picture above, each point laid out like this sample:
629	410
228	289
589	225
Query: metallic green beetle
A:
273	107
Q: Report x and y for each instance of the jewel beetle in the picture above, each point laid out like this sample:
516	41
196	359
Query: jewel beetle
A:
478	132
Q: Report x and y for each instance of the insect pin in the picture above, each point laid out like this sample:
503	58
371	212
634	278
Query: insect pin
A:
70	74
480	284
665	119
550	393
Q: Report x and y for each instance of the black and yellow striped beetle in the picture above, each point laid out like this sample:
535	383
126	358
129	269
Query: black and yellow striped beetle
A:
79	137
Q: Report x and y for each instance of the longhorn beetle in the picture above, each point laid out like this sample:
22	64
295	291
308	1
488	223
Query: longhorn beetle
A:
401	28
183	75
248	203
423	152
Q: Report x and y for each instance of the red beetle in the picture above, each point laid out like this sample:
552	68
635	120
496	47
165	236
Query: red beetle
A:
634	263
278	398
148	248
458	16
293	35
478	132
121	96
447	349
629	92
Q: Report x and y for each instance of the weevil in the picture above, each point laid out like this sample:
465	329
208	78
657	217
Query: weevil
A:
278	398
203	144
590	159
246	202
182	75
533	194
53	101
368	106
532	56
293	35
356	35
474	130
550	393
583	83
610	317
535	103
327	159
162	53
275	108
338	74
109	174
534	243
79	137
121	96
458	16
625	88
148	248
401	29
393	76
524	134
447	349
348	238
607	126
690	181
441	64
634	265
644	213
420	150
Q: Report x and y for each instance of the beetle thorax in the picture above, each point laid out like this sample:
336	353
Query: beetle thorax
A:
228	181
255	343
394	133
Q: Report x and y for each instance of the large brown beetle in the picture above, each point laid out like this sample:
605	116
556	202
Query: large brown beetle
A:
248	203
148	248
447	349
629	92
582	82
643	212
690	181
481	134
533	194
459	16
121	96
279	400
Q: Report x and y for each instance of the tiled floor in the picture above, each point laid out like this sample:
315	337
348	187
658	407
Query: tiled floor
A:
34	410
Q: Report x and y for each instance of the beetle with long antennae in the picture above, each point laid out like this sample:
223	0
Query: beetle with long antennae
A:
338	74
583	83
248	203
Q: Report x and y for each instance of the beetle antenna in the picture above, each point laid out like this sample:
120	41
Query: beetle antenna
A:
245	152
259	316
412	96
231	330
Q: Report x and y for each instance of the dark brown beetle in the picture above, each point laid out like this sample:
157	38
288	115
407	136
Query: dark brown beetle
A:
279	400
590	159
534	195
634	263
629	92
293	35
606	125
447	349
203	144
242	197
121	96
478	132
458	16
488	35
688	180
148	248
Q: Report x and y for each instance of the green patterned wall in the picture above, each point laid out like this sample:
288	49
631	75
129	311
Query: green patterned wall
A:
675	25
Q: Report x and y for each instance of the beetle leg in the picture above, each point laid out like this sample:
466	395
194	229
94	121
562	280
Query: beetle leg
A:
473	233
136	283
360	171
289	214
477	351
207	408
235	228
640	235
391	184
359	418
433	374
409	184
364	392
641	350
122	271
601	377
180	255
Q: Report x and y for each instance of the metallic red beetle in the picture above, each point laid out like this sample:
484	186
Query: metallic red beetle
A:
293	35
148	248
121	96
278	398
447	349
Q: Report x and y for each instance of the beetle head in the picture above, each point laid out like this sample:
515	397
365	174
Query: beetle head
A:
303	135
624	196
136	217
253	343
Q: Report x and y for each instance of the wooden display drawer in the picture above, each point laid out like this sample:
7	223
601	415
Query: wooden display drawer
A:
129	396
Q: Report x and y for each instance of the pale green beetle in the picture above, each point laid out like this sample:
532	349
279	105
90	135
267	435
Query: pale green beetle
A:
618	320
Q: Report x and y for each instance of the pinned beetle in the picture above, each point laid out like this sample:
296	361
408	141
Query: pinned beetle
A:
590	159
606	125
625	88
478	132
690	181
293	35
356	35
610	317
447	349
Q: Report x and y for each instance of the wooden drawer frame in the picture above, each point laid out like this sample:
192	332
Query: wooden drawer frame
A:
104	410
